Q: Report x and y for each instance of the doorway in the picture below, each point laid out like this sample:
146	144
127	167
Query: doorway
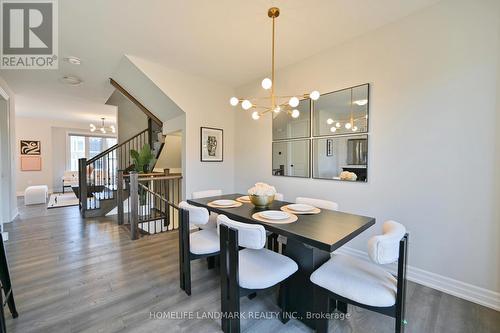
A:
5	161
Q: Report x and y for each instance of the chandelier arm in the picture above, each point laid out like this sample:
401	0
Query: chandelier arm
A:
276	105
259	107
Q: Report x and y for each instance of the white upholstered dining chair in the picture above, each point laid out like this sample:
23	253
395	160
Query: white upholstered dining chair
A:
318	203
348	280
212	222
246	271
195	245
279	197
206	193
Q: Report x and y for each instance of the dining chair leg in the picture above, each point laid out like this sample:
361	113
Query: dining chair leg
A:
187	278
282	301
211	262
400	322
230	289
184	254
322	309
217	261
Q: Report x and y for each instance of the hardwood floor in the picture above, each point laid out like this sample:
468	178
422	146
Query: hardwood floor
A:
75	275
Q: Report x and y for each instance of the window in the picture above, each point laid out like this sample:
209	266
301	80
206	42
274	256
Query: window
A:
81	146
77	150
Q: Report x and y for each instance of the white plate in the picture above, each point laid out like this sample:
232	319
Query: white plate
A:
223	203
301	207
274	215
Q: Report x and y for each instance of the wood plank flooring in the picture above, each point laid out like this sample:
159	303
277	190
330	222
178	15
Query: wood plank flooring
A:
74	275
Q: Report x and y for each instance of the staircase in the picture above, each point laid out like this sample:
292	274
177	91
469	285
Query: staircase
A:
98	176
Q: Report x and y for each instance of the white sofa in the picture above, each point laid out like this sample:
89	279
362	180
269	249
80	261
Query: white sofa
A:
34	195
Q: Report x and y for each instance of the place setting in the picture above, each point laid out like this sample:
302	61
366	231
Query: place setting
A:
302	209
244	199
224	203
275	216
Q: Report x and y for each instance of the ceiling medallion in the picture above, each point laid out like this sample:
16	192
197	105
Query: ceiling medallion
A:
274	103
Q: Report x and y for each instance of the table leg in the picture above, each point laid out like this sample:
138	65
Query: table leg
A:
300	299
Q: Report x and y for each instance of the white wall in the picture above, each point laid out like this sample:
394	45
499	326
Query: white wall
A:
433	79
496	213
171	154
53	135
130	119
8	209
205	103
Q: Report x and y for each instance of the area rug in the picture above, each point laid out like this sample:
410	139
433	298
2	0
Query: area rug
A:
58	200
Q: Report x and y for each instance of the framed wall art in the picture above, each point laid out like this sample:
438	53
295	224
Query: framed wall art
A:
211	144
31	163
30	147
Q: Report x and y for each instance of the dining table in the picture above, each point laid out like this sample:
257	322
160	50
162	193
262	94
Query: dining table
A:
310	241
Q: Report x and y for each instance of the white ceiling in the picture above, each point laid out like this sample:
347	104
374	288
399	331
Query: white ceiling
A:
225	40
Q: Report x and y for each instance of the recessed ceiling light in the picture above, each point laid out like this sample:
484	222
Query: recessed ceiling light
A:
71	80
73	60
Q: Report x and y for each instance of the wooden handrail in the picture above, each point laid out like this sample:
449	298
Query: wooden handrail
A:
161	178
158	196
110	149
135	101
157	175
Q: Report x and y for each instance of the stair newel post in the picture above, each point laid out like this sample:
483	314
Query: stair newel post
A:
150	132
82	184
134	204
120	197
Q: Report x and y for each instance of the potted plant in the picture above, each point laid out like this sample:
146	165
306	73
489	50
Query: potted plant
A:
143	162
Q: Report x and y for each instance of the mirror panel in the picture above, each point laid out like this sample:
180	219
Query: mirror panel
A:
334	155
291	158
342	112
286	127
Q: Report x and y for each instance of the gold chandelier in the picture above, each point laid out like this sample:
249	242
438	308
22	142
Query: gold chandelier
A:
274	103
102	128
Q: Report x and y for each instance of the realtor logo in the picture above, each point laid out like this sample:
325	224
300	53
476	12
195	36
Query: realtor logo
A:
29	34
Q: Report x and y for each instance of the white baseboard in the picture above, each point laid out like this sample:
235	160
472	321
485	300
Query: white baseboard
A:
442	283
14	215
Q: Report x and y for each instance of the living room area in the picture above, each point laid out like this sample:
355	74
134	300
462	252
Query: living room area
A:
48	150
50	144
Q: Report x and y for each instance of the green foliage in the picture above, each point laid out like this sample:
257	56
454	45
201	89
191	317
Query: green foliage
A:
143	160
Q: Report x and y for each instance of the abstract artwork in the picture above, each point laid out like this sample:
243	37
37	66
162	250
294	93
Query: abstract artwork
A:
30	147
31	163
211	144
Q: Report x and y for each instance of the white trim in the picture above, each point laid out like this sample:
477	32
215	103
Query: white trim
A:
488	298
14	215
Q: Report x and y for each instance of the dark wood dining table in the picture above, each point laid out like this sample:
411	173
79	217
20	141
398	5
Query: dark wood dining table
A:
309	242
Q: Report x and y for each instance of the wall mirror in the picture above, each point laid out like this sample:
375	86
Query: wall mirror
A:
342	112
286	127
341	158
291	158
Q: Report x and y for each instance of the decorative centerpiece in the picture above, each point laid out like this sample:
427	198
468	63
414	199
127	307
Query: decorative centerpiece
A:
262	195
